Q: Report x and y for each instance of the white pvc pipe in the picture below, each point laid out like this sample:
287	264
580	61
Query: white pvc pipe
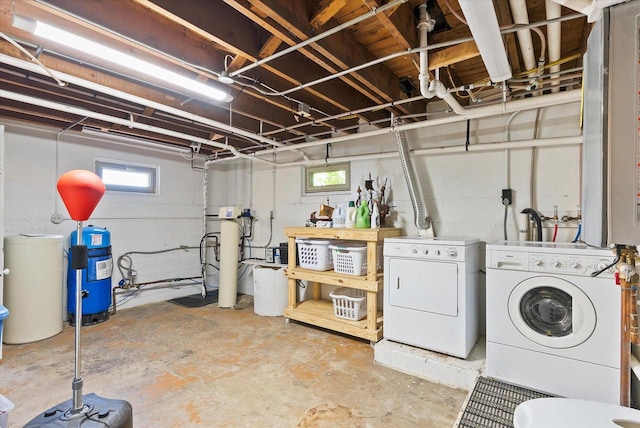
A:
470	113
553	40
521	16
521	144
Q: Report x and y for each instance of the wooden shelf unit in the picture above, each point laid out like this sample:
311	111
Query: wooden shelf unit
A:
320	312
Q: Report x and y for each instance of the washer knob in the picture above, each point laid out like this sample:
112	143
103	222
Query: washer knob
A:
452	252
426	251
601	265
414	251
538	262
437	252
575	265
556	264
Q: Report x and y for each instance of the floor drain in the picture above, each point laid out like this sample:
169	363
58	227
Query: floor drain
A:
492	403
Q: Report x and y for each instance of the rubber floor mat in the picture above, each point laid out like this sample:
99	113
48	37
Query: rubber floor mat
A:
196	300
492	403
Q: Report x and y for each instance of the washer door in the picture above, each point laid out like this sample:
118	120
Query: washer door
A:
552	312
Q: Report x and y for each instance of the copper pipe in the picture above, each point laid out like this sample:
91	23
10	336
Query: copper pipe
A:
633	313
628	280
625	349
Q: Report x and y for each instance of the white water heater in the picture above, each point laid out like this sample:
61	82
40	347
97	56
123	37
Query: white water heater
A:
611	150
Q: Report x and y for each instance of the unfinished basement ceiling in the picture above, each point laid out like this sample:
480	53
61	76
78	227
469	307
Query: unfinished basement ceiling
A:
283	100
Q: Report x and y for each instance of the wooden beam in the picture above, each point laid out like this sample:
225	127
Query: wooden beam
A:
453	55
327	10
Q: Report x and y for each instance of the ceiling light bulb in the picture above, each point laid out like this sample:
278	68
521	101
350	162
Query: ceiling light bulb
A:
101	51
225	78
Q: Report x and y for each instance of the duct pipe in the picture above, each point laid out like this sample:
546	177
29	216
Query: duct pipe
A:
420	216
591	8
124	122
553	40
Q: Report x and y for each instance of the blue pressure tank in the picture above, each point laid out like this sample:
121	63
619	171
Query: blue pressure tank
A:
96	278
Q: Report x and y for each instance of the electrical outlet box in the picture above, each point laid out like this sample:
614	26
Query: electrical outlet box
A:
507	196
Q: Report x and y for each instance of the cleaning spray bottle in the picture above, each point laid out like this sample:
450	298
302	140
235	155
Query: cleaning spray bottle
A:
363	217
375	217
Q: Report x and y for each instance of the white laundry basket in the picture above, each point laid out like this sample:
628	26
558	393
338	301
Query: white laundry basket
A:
314	254
349	303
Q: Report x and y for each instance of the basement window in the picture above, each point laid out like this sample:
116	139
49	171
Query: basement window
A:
127	177
328	178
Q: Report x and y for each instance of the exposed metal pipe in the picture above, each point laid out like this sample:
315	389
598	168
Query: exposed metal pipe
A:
471	113
418	50
320	36
125	122
433	151
25	65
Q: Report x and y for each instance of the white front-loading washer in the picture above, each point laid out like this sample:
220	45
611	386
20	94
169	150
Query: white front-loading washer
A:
551	325
431	293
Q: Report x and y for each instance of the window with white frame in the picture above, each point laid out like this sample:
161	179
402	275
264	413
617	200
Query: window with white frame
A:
328	178
128	177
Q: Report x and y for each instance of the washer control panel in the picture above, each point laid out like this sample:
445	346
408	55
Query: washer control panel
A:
570	264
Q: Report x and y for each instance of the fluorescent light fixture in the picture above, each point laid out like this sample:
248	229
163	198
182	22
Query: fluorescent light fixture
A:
101	51
481	17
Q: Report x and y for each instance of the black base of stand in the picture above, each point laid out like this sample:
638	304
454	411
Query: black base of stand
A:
89	319
98	412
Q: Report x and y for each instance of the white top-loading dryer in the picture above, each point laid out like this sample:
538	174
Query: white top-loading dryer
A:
431	293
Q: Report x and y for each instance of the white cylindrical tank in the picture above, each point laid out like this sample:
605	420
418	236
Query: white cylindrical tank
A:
33	289
228	292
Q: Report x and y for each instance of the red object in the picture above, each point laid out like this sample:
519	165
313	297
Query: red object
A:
617	277
81	191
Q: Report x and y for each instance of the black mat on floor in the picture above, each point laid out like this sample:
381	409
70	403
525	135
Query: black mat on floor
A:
492	403
196	300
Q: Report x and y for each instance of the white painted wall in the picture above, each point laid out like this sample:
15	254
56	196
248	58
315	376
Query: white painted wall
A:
462	190
145	223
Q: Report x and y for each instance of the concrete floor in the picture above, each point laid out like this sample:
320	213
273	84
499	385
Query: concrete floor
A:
211	367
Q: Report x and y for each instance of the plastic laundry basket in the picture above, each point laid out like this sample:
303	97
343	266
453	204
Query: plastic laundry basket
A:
349	303
4	312
314	254
5	407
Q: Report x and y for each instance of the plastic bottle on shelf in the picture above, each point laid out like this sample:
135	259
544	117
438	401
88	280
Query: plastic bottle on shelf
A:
375	217
339	217
350	219
363	217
